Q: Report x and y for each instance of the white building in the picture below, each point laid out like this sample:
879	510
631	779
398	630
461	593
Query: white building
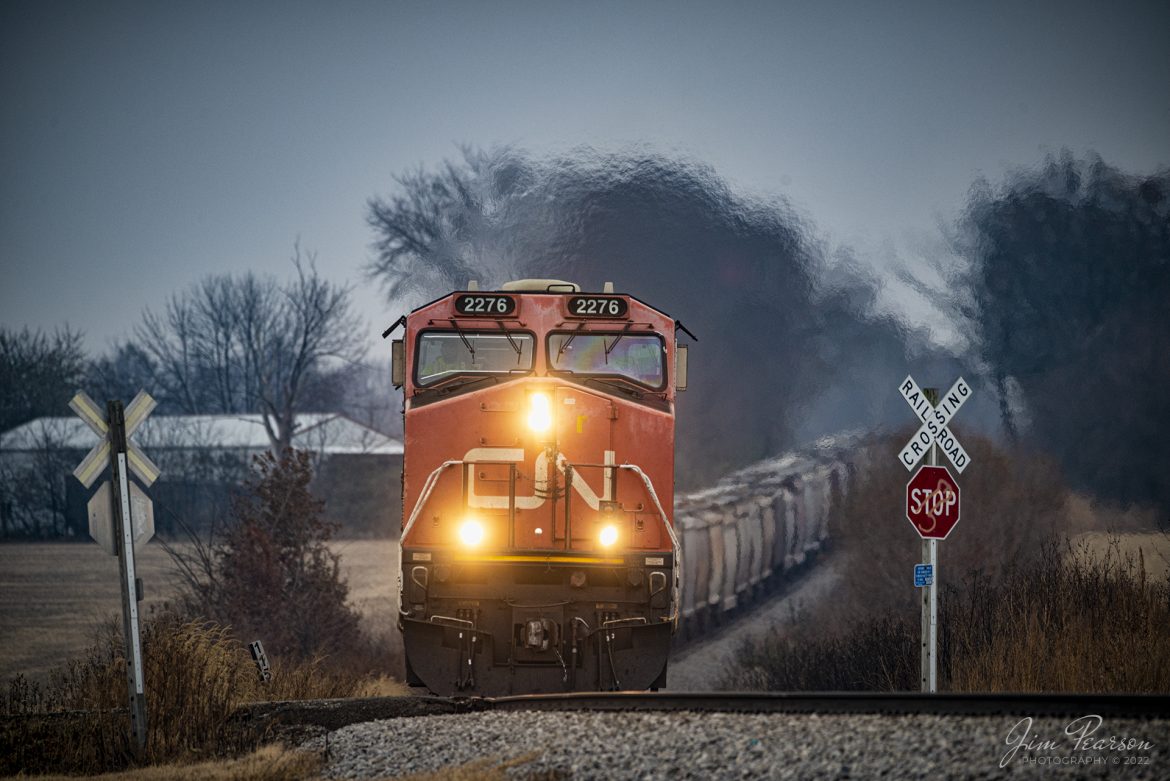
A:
203	458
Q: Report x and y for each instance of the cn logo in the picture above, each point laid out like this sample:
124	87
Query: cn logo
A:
932	502
515	455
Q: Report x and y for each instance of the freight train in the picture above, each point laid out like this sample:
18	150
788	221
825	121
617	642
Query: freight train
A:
542	543
538	547
747	535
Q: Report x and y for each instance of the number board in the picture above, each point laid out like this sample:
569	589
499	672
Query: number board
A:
598	306
485	305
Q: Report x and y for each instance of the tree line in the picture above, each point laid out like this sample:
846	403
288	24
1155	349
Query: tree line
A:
229	344
1060	279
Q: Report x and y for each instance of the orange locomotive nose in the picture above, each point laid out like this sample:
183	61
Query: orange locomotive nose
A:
538	469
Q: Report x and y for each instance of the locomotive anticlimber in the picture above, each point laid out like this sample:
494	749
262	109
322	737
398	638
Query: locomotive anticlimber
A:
538	546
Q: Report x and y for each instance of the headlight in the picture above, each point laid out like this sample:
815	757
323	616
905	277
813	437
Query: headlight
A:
608	536
471	533
539	413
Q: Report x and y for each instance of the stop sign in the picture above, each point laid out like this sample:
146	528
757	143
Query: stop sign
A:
932	502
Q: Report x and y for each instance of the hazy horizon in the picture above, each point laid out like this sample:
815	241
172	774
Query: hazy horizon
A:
147	145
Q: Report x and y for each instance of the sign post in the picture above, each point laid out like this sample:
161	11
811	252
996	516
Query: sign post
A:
932	499
121	518
928	678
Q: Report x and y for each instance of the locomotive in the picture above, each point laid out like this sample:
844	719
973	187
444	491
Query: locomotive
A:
538	547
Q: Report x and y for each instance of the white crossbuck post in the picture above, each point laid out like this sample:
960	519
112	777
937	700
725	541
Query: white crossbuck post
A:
121	518
934	424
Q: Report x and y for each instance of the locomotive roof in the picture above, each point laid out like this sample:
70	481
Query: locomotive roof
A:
505	291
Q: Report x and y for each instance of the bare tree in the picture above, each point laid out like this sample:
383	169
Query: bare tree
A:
121	373
1065	282
455	224
34	468
247	344
39	373
805	349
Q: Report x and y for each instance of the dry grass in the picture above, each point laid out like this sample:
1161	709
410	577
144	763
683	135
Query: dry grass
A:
877	655
196	676
1075	620
65	709
491	769
1151	549
1061	622
1017	611
380	686
268	763
54	596
1012	503
193	677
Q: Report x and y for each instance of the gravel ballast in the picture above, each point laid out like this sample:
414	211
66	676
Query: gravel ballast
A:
669	745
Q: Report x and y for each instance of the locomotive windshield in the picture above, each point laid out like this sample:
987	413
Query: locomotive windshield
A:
445	354
640	358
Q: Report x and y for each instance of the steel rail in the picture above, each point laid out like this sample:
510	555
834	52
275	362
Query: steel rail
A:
887	703
334	714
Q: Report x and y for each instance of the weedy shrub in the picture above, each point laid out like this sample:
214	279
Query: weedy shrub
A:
1060	621
1016	613
78	722
1012	501
1072	620
272	574
879	655
196	676
272	577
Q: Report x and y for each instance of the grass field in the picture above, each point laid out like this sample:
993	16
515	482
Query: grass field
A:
53	596
1152	549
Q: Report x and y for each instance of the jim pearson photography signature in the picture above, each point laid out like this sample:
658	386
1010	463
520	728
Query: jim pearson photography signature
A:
1080	737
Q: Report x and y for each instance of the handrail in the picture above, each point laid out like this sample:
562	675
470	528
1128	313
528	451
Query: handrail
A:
676	589
428	487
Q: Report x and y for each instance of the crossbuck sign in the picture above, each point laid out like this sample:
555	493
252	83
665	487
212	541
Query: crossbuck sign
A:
934	423
121	518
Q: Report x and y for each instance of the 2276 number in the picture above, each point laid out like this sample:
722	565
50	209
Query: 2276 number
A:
593	306
492	306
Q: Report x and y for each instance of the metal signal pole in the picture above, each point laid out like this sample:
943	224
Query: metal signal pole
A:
124	535
930	592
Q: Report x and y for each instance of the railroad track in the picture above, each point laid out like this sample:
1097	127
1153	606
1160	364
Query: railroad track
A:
1129	705
334	714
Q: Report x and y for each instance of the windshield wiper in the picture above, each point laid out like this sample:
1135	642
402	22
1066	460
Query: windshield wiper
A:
466	343
619	384
452	384
609	348
569	341
511	341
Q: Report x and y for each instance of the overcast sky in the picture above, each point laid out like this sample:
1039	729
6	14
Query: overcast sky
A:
147	144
